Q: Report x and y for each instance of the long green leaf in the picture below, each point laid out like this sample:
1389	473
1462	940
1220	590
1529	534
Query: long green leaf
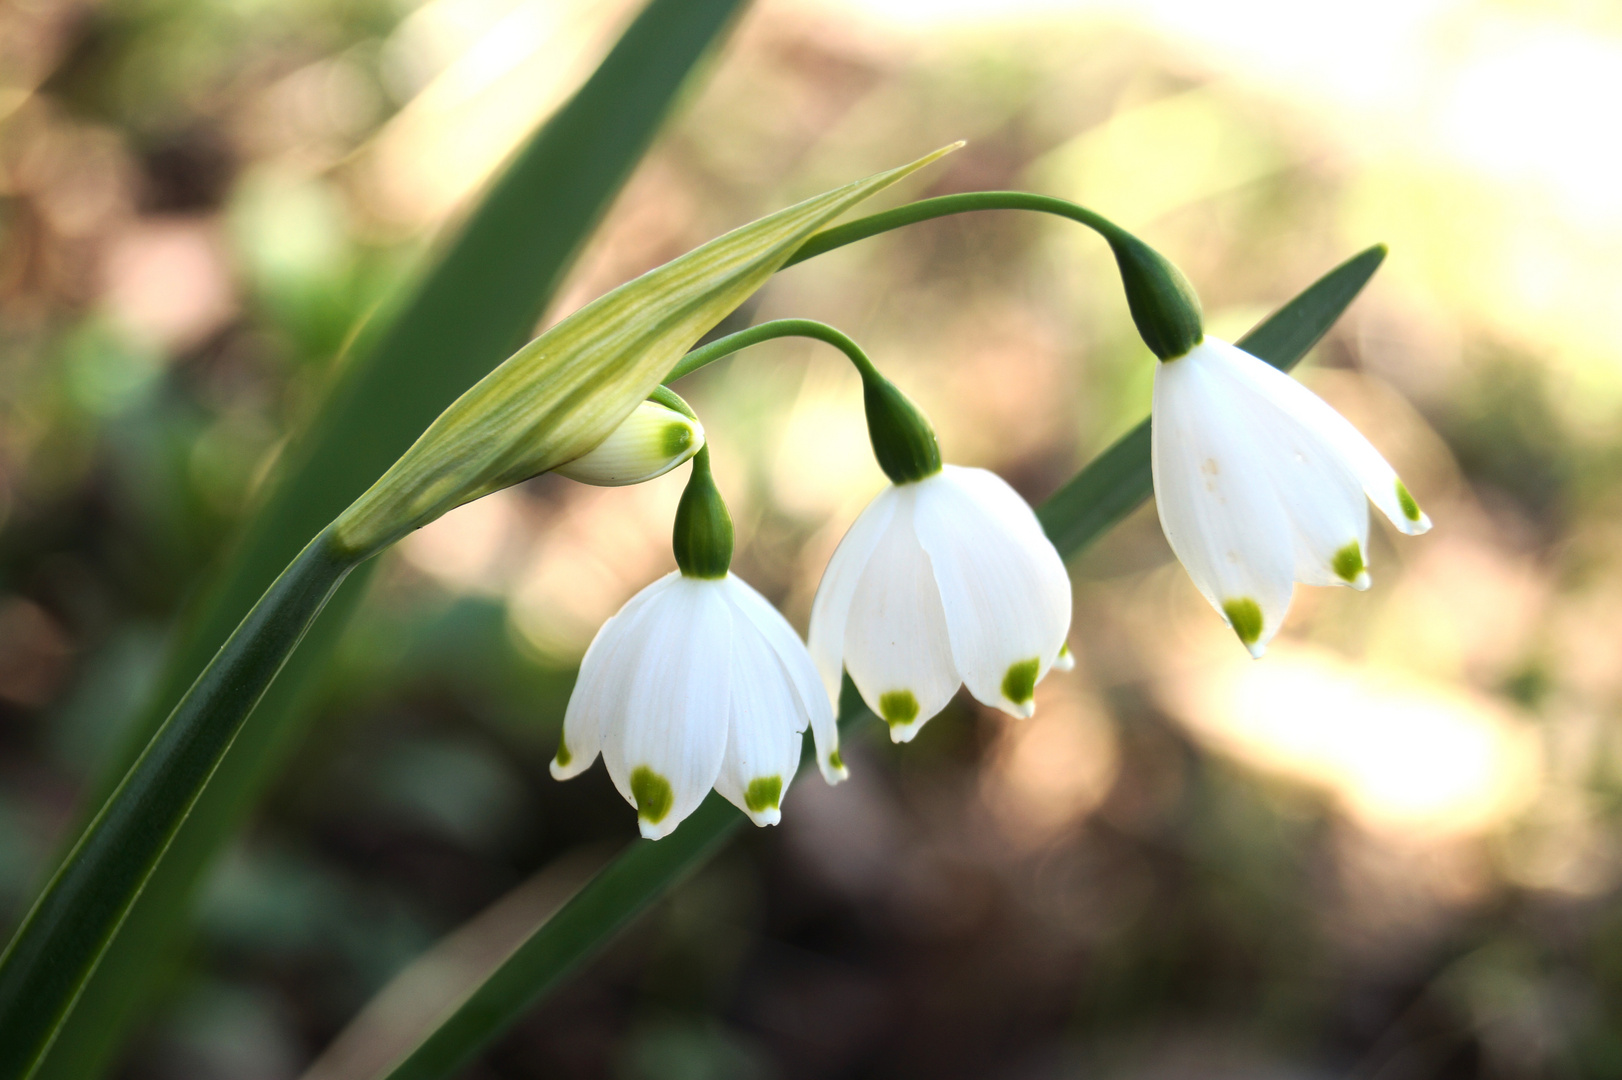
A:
468	313
69	926
1099	496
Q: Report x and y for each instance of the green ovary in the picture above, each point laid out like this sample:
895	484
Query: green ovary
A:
1019	685
563	756
1410	508
1348	562
676	439
898	707
1245	616
764	793
652	794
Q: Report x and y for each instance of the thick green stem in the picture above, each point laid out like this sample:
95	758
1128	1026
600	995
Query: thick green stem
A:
61	940
1163	303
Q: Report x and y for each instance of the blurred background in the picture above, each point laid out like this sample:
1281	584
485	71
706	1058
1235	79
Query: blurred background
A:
1388	850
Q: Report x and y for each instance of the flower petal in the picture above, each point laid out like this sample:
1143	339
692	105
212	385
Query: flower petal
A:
1216	501
831	607
765	725
599	695
1320	493
665	750
896	647
1373	472
801	672
1002	584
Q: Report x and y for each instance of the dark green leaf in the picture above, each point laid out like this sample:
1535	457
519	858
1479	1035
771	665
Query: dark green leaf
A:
69	926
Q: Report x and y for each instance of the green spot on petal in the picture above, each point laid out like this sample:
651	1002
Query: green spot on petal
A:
1410	509
1245	616
1348	562
763	794
898	707
1019	684
652	794
675	439
563	756
835	761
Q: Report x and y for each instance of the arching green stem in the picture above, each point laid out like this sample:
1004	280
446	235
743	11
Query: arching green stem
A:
766	331
903	440
1163	303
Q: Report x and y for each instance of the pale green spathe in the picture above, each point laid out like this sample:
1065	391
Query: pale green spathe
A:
566	391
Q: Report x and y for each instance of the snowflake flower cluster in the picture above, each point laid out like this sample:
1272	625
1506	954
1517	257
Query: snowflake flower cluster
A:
946	580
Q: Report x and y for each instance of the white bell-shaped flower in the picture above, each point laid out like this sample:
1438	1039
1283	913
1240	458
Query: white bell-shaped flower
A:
943	580
697	683
1260	484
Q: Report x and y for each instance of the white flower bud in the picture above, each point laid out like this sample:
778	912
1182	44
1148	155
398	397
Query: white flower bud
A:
649	443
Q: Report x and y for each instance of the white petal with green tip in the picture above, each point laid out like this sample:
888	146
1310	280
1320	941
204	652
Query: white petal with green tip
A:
764	729
1218	506
896	646
601	689
1003	586
664	752
1259	484
815	709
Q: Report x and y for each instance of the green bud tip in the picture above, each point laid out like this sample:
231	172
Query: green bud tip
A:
764	793
1019	684
650	442
1347	564
652	794
898	707
1245	616
1410	508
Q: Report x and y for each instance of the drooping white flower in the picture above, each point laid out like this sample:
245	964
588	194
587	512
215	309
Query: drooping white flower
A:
697	683
649	443
1260	484
944	580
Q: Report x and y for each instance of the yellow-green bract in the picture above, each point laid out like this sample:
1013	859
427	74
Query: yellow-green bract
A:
567	390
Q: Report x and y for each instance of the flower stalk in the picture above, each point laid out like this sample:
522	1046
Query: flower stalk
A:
1163	303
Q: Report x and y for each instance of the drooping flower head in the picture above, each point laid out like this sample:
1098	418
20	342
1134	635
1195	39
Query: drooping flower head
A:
946	578
1260	484
696	683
